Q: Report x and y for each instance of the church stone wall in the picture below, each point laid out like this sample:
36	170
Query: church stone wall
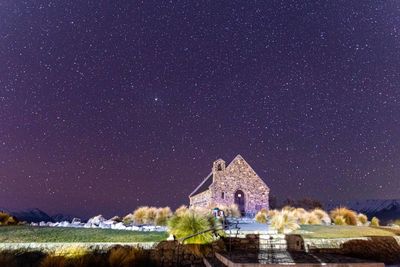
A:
240	176
201	200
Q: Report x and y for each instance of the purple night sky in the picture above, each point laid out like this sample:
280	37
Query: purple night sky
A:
105	106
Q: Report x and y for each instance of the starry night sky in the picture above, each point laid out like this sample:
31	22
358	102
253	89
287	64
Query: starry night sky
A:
107	105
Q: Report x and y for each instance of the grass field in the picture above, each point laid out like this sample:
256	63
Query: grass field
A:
27	234
341	231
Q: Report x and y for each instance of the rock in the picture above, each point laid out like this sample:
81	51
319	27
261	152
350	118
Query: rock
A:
116	219
118	226
87	225
96	220
76	221
104	225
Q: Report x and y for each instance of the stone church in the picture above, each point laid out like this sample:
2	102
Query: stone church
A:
236	183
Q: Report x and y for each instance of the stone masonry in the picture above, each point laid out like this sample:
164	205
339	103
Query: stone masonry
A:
236	183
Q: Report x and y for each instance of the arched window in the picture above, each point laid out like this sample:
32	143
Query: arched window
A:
219	167
222	195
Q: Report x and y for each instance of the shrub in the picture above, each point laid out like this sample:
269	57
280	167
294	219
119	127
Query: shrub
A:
313	219
162	216
150	215
349	216
284	221
322	215
362	218
261	217
374	221
182	209
188	223
128	219
339	220
139	215
7	219
231	211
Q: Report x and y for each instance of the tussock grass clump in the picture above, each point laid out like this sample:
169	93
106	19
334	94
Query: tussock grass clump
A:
374	221
322	215
261	216
349	216
7	219
362	219
184	224
181	210
139	215
231	211
162	216
339	220
284	221
150	215
128	219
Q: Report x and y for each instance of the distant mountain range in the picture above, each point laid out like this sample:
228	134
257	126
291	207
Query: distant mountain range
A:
384	209
37	215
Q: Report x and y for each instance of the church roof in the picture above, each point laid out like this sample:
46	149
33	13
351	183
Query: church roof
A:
204	186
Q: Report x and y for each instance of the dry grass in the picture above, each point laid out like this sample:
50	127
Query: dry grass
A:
374	221
362	219
7	219
181	210
339	220
349	216
139	215
261	217
150	215
322	215
231	211
162	216
284	221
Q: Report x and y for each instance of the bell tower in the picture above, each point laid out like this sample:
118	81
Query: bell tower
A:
218	166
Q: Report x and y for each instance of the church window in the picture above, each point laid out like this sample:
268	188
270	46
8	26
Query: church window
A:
222	195
219	167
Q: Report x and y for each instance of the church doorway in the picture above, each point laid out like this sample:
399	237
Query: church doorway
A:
240	202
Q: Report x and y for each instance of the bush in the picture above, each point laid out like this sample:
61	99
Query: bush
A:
349	216
374	221
284	221
182	209
188	223
339	220
322	216
362	218
128	219
231	211
7	219
150	215
162	216
261	217
139	215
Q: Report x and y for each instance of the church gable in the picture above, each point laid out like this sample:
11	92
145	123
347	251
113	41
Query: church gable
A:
237	183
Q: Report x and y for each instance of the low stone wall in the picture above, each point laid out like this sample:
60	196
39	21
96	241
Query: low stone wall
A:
60	247
165	253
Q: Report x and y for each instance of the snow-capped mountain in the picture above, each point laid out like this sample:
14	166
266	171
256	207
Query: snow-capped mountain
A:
384	209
